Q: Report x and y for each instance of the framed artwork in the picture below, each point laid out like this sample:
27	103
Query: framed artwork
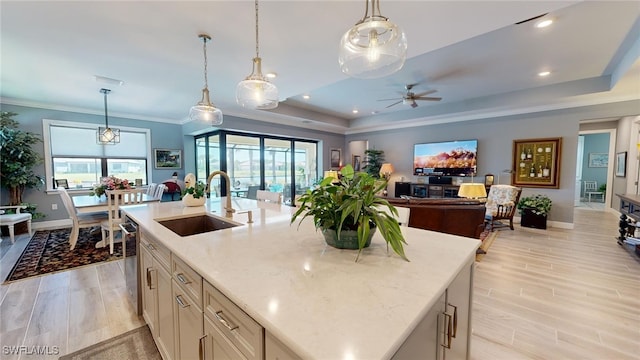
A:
621	164
598	160
335	155
167	158
537	162
355	162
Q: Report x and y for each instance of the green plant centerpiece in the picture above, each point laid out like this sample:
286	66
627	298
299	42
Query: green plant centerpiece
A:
193	193
351	205
537	204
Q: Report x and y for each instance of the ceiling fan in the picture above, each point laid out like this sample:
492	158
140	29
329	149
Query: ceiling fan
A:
409	97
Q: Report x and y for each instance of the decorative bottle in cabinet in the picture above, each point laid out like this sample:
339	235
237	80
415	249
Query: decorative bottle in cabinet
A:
523	155
545	171
532	173
539	171
529	154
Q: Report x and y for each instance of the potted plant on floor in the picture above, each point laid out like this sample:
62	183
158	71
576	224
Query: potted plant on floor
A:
534	210
348	211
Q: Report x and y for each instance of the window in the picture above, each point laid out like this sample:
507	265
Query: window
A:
82	162
287	166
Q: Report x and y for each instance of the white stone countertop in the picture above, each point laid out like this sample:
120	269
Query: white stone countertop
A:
314	298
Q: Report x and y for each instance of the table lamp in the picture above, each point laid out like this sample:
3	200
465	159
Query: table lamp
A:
332	174
472	190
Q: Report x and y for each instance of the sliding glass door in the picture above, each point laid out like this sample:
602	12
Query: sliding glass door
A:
253	162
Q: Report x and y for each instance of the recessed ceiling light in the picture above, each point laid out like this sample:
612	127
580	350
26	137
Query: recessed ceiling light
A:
374	112
355	111
106	80
271	75
544	23
544	73
306	97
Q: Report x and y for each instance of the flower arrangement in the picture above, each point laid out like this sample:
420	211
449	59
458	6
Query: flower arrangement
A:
110	183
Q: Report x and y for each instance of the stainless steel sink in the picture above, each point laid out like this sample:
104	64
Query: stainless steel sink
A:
192	225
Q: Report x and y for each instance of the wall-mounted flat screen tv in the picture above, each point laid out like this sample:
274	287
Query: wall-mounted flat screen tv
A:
447	158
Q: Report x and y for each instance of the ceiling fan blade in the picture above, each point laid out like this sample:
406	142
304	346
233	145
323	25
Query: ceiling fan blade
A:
389	99
425	93
395	103
428	98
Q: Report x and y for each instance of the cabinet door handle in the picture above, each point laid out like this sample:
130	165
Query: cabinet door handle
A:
224	321
182	279
150	272
151	247
181	303
201	347
455	319
449	324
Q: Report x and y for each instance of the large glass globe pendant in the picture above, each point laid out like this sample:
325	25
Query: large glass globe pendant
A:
374	47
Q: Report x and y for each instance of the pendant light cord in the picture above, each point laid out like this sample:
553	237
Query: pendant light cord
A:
204	50
106	114
257	42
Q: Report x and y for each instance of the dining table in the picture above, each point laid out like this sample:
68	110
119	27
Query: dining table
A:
91	203
85	204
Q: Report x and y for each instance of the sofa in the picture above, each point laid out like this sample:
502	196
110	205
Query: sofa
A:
457	216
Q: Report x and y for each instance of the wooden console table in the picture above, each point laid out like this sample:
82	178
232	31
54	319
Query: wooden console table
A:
630	214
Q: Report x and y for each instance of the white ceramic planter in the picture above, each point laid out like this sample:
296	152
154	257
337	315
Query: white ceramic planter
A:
189	200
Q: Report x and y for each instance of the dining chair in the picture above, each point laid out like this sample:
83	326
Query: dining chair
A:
115	199
79	221
270	196
403	214
159	191
151	189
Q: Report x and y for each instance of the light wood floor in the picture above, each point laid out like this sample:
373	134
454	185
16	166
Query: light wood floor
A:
558	294
555	294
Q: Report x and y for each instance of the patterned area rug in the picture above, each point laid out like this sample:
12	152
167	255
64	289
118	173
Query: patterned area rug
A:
48	251
136	344
487	238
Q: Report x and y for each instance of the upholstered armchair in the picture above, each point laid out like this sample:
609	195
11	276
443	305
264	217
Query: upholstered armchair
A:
501	205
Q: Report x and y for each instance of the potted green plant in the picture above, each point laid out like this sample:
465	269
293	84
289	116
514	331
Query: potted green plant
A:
194	195
348	211
17	158
534	210
373	162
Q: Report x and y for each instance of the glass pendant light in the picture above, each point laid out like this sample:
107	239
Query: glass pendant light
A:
204	110
107	135
374	47
256	91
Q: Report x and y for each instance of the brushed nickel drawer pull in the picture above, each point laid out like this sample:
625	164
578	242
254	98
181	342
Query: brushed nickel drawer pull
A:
448	323
224	321
455	319
151	247
180	302
182	279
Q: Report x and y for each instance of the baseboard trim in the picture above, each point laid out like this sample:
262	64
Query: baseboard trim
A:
52	224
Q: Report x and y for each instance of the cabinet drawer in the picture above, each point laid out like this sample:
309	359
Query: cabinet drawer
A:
244	332
435	188
188	279
159	251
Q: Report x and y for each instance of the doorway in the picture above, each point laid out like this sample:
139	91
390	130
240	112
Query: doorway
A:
595	158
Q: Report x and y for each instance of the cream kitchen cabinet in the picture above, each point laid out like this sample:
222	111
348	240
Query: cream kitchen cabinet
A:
233	332
157	305
444	333
187	310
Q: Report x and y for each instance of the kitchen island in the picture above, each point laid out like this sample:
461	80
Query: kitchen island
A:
314	300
